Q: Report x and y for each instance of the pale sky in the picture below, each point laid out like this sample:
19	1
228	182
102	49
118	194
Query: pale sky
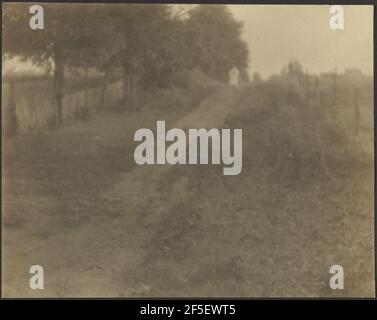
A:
277	33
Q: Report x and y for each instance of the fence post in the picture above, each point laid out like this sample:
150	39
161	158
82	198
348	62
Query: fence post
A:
85	111
101	105
334	88
307	86
12	126
356	110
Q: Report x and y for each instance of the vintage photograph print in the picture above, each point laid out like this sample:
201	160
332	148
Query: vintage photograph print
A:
187	150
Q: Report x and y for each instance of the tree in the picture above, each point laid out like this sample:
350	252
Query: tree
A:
71	37
215	41
146	50
295	70
92	46
148	42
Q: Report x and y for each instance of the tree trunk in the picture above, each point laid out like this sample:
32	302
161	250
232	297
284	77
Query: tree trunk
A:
335	75
104	87
86	107
125	82
59	84
131	92
12	125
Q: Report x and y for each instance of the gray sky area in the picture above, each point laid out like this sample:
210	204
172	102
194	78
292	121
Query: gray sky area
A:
278	33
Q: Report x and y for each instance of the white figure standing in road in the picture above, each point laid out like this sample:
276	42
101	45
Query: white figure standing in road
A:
234	76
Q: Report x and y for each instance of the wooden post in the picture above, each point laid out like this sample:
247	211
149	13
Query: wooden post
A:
58	82
307	85
12	126
131	93
104	87
356	110
86	107
334	78
125	81
316	86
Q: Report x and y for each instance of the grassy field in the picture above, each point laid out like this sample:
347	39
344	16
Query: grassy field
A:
76	203
34	101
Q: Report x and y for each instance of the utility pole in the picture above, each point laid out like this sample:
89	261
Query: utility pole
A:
334	79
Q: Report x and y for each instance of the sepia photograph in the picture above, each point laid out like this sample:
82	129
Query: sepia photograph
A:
187	150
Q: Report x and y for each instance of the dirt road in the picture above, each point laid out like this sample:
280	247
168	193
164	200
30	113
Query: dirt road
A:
76	203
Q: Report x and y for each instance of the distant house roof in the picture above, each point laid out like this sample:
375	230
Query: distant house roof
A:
234	69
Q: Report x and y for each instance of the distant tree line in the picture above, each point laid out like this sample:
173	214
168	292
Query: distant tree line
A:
148	43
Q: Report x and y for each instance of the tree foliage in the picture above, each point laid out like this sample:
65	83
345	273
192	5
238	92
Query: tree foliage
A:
214	38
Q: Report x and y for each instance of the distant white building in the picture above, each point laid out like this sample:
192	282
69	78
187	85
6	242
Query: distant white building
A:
234	74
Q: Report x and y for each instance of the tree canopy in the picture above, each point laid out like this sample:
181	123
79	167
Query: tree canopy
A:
149	42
